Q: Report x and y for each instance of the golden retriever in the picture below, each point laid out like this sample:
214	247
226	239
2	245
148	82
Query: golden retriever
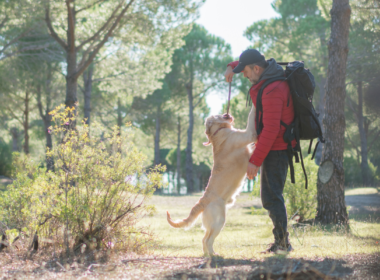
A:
231	153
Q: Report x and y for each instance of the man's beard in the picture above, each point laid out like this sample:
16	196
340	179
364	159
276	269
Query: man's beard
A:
254	82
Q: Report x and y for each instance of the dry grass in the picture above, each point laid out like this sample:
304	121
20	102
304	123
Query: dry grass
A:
319	254
245	235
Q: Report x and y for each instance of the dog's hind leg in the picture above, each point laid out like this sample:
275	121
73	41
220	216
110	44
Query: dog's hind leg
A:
214	217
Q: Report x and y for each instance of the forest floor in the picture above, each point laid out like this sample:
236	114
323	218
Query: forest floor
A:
177	254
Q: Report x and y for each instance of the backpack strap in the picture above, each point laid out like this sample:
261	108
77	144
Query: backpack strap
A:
311	143
288	137
315	150
248	100
259	103
297	134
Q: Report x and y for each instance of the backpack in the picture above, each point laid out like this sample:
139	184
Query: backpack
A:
306	125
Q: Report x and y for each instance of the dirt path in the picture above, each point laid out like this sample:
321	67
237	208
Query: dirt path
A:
124	266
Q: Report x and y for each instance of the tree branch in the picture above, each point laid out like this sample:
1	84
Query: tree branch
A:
353	145
100	29
31	48
3	22
51	29
89	6
350	102
15	40
39	103
81	88
101	43
13	115
71	26
110	76
82	61
204	92
373	141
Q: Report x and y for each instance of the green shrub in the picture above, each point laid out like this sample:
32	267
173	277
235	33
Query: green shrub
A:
25	202
256	186
96	194
297	198
353	173
5	159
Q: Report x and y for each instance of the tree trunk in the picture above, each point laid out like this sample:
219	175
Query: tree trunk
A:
331	201
363	138
46	118
179	156
322	93
189	147
71	59
321	109
71	81
119	115
87	80
15	139
157	159
26	123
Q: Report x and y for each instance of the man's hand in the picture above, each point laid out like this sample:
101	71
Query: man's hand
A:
229	74
252	171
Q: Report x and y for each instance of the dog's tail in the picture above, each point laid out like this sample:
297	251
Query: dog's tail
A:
189	221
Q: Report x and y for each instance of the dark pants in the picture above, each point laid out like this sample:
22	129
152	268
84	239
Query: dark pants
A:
273	175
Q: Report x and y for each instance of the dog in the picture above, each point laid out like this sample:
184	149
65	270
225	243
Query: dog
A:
231	152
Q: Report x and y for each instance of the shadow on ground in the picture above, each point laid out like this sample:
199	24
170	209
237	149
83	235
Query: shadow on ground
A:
280	267
364	207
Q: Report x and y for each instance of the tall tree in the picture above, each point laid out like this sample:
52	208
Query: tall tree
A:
331	201
48	86
152	116
91	25
133	69
17	98
19	19
362	70
201	62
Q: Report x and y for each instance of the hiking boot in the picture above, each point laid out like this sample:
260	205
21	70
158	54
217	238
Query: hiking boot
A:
276	248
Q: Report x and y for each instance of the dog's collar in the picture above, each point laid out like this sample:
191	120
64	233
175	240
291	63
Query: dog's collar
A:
217	130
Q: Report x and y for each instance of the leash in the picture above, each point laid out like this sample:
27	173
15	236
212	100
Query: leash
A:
217	130
229	97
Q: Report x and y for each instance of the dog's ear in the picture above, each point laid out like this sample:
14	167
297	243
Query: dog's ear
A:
208	124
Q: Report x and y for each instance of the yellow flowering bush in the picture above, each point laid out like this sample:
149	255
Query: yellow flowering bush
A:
95	195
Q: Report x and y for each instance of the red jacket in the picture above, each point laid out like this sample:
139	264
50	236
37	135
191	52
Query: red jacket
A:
277	107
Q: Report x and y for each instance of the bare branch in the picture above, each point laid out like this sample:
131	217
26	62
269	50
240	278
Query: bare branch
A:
39	103
31	48
81	88
83	60
373	141
96	35
51	29
71	27
88	6
13	115
101	43
350	105
353	145
14	40
110	76
4	22
204	92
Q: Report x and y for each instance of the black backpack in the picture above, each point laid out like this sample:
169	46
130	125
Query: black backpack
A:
306	125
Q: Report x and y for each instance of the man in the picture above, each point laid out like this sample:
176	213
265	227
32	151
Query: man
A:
271	150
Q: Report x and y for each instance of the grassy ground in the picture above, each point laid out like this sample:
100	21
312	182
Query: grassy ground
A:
177	254
245	235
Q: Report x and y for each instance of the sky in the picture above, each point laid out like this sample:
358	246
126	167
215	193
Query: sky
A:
228	19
